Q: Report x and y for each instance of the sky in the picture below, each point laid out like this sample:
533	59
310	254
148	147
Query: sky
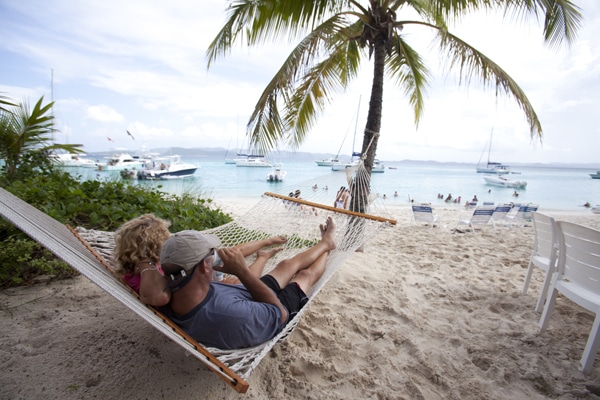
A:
140	66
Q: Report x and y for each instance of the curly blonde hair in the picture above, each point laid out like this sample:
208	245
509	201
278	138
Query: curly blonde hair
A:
139	239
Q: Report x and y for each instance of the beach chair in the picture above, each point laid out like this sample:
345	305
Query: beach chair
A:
578	279
544	254
488	203
423	214
470	205
500	213
480	217
522	215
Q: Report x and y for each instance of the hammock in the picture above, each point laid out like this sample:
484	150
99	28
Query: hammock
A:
89	252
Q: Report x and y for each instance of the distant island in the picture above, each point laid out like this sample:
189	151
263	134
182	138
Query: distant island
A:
220	153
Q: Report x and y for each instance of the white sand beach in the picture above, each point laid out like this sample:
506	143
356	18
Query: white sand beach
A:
421	314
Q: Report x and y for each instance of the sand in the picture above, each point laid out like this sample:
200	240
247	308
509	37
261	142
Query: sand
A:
420	314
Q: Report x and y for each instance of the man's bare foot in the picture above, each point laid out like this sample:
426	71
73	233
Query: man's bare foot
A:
268	253
278	240
328	233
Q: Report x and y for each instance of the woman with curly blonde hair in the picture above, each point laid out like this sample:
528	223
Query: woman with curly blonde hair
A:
137	255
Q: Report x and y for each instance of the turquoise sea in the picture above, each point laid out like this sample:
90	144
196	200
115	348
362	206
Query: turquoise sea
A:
553	188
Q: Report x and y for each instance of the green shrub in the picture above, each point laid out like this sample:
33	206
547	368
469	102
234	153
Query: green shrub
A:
92	204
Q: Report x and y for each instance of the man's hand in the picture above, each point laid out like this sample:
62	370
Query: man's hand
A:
234	262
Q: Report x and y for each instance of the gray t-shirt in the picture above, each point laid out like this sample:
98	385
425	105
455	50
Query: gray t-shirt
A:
228	318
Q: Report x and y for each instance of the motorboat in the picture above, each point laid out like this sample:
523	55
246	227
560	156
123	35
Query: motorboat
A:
342	166
502	181
169	167
596	175
378	166
277	175
327	162
253	161
121	161
72	160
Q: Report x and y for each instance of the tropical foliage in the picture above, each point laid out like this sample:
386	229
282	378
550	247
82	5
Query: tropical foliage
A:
28	173
102	205
337	36
26	139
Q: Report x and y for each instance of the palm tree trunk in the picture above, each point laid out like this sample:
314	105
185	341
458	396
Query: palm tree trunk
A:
360	193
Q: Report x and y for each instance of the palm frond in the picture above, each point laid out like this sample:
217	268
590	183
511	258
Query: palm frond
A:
298	74
472	63
407	68
258	21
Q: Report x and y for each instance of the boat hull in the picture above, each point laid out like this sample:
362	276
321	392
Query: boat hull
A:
327	163
504	182
493	170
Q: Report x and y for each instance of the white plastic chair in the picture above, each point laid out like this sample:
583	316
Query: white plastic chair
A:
578	279
424	214
522	215
544	254
481	217
500	213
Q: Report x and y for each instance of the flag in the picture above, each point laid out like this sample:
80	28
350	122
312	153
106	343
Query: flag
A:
110	140
129	133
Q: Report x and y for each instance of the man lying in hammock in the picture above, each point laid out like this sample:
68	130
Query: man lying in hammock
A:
237	316
138	244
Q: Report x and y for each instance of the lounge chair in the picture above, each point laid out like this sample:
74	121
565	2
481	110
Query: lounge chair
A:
522	215
500	213
424	214
480	217
470	205
544	254
578	279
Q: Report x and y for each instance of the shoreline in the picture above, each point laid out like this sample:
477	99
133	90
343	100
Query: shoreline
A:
421	313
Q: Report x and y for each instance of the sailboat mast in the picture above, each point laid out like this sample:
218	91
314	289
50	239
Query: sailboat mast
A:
356	125
52	98
490	148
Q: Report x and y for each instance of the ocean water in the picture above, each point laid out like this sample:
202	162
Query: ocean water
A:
551	187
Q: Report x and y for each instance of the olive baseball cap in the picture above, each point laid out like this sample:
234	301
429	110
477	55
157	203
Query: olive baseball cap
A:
186	249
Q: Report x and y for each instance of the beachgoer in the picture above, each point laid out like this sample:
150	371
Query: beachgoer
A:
138	243
384	196
315	187
396	194
516	194
475	200
339	198
237	316
449	198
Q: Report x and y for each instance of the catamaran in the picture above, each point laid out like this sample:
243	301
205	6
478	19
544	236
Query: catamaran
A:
492	167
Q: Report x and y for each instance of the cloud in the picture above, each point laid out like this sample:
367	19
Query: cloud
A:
104	113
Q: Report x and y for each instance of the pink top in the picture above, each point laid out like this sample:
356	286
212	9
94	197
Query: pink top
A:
134	280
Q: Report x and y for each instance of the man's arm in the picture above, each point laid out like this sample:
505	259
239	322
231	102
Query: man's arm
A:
235	264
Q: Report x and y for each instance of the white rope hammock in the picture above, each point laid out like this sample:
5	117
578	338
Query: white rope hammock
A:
89	252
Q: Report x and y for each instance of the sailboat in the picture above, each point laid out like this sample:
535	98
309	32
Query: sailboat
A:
492	167
355	160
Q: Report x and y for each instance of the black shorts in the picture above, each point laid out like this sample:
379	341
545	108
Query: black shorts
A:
292	297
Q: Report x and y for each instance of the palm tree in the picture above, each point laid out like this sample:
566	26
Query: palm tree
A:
26	139
338	35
